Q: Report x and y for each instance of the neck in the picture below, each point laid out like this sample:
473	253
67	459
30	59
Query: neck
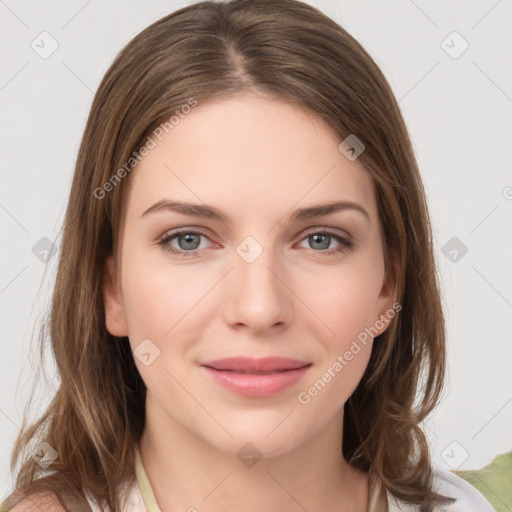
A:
187	473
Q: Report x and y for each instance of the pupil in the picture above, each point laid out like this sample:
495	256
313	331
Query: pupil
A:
317	238
189	241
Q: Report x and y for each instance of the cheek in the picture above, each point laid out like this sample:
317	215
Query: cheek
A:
331	386
162	304
343	305
158	298
344	301
344	310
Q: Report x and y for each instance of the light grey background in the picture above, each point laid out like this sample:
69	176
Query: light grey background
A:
458	111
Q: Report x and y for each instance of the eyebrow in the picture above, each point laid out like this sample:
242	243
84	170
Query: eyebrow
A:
210	212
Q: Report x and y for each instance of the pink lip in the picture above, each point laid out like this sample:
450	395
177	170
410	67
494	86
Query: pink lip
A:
256	378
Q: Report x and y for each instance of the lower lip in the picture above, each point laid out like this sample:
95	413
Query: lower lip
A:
257	385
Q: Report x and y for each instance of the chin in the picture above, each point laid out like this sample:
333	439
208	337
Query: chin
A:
256	442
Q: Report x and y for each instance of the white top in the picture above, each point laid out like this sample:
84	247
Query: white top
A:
140	497
468	499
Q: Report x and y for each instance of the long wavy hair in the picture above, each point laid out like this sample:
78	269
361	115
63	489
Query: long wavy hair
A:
204	51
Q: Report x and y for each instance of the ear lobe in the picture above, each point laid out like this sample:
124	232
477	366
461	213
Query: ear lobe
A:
115	320
388	293
389	287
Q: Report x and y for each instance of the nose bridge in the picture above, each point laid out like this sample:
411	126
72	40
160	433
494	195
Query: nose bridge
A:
258	297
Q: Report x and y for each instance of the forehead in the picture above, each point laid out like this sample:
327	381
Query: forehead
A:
249	153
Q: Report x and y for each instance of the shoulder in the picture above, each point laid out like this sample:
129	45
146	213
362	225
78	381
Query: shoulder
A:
39	502
467	498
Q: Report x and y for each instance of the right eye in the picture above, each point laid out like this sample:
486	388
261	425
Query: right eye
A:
188	242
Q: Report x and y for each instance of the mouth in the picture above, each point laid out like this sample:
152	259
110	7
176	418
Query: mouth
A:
256	378
264	365
242	372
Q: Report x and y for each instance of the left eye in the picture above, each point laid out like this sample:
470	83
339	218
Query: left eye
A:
322	240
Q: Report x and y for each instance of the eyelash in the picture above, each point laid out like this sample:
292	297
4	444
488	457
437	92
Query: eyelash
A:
345	244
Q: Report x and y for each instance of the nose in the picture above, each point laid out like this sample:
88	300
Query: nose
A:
257	298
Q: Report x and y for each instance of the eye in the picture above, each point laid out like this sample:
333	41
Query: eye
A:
188	242
322	240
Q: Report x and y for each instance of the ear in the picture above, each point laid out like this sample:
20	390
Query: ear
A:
115	319
387	305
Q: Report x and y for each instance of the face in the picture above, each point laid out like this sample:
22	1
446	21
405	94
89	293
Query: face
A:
251	271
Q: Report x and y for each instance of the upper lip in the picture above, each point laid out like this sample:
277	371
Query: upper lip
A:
250	364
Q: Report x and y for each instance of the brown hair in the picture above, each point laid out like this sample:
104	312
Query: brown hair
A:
207	50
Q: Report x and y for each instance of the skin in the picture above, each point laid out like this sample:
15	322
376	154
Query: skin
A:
257	159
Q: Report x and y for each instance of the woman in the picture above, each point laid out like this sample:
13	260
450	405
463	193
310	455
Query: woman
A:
246	308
